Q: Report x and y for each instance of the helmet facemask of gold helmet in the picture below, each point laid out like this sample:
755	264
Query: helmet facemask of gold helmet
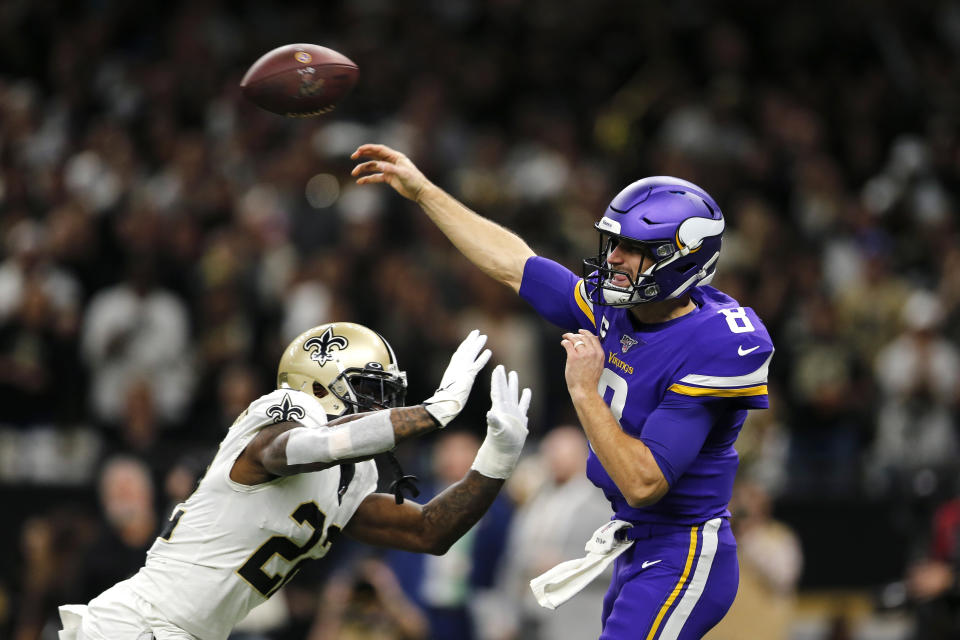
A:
347	367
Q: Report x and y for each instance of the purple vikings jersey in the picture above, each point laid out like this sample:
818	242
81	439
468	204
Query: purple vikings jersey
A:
683	387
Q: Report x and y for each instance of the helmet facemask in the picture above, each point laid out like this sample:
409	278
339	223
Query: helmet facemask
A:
369	388
599	275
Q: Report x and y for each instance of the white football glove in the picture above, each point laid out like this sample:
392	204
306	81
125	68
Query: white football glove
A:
506	426
450	398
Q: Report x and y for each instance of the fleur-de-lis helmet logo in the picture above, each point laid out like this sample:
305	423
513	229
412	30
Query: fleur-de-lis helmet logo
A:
285	411
321	347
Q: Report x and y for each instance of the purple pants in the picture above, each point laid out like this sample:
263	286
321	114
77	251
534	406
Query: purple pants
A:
675	583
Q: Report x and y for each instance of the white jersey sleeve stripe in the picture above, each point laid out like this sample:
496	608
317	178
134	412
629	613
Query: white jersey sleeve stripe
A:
754	378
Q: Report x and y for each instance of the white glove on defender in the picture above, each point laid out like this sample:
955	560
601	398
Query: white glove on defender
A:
451	396
506	426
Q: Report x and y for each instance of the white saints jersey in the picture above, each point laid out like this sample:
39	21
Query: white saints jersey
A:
229	547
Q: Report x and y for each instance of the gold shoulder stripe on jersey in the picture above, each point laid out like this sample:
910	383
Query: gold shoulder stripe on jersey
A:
582	303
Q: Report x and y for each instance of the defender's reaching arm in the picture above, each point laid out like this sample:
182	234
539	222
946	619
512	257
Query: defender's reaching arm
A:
433	527
288	448
498	252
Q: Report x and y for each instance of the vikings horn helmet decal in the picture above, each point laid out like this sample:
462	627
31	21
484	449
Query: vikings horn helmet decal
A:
346	366
675	223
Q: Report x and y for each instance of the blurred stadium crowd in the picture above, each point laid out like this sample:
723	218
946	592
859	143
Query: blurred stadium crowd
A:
162	240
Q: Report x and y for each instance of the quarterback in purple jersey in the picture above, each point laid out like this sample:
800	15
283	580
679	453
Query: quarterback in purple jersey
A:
661	368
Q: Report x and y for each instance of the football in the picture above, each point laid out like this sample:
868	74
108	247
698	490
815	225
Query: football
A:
299	80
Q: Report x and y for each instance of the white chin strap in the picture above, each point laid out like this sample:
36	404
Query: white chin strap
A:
619	297
625	296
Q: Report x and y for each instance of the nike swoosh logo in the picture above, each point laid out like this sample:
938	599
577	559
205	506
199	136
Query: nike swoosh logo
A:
650	563
743	352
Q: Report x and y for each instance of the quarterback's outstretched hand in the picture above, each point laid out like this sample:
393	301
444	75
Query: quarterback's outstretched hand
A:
450	398
389	166
506	426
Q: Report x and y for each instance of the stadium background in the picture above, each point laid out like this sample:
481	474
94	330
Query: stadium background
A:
828	131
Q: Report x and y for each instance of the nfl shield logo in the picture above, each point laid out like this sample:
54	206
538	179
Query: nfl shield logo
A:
626	342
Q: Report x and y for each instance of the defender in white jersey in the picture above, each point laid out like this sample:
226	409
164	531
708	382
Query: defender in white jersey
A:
285	483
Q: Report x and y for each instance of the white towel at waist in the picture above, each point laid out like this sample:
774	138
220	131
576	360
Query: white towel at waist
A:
565	580
71	615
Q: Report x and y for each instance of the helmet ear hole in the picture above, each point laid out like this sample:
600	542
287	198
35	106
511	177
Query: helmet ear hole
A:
319	390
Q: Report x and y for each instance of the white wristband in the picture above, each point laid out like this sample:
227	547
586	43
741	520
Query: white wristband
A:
493	463
443	411
364	436
497	457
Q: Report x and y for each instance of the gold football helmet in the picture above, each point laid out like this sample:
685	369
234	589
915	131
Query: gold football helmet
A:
347	366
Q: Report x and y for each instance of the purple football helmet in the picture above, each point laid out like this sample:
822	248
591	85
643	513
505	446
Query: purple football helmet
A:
676	223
